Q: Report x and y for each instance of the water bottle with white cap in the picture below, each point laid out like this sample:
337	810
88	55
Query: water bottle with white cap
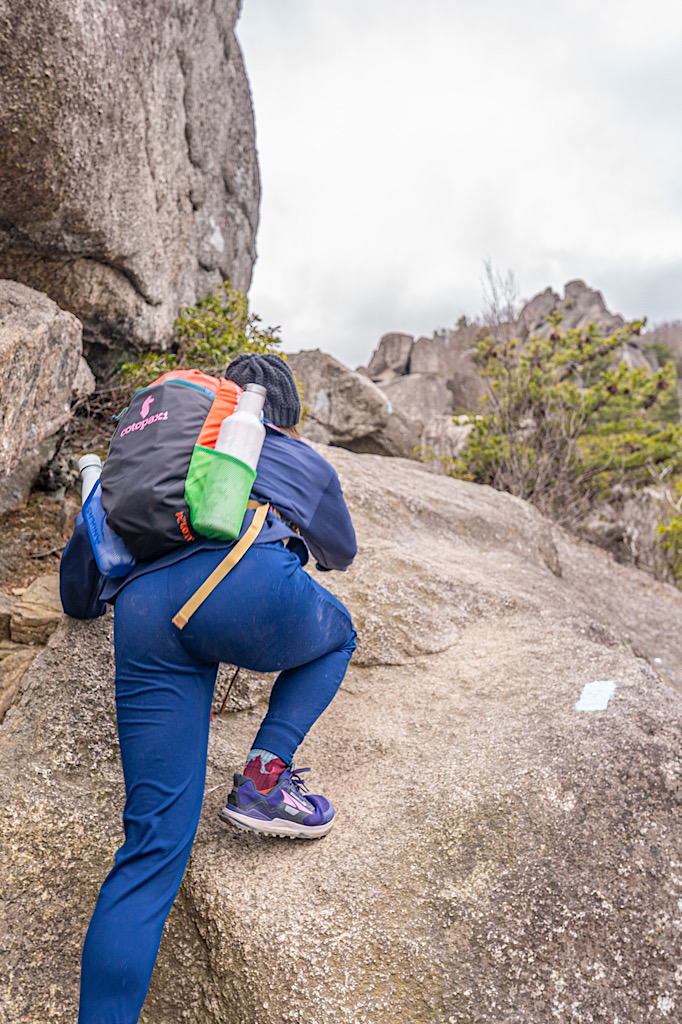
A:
231	468
111	554
242	434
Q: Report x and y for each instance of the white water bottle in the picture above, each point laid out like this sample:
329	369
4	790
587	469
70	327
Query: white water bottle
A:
91	469
242	434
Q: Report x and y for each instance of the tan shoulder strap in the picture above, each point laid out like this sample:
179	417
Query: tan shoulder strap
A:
220	572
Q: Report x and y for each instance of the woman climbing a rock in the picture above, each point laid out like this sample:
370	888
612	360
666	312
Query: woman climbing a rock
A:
266	615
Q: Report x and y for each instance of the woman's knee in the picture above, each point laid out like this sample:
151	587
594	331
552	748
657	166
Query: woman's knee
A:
352	641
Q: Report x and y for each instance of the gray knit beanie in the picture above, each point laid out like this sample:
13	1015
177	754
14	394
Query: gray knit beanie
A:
282	404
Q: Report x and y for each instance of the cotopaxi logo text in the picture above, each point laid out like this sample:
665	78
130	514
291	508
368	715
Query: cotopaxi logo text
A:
141	424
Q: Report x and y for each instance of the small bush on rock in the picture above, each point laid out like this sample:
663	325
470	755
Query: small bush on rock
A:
565	428
208	335
670	533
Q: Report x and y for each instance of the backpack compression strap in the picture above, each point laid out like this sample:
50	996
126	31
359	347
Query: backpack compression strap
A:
241	547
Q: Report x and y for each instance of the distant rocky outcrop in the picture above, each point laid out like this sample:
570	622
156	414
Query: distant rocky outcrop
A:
503	854
41	366
426	381
429	379
128	174
579	307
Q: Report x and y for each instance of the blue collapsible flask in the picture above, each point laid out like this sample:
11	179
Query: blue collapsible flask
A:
111	554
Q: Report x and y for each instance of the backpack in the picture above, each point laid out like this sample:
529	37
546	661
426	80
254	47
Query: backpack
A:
162	443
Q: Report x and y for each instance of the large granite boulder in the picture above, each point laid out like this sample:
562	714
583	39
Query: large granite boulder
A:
391	357
40	360
128	175
344	408
502	853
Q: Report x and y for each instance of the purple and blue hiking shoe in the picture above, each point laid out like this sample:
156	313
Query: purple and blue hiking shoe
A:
285	810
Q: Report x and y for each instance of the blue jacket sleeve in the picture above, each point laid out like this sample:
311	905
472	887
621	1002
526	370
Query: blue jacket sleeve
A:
329	534
305	490
80	581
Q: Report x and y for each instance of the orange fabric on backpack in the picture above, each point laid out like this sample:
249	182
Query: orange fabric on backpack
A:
224	404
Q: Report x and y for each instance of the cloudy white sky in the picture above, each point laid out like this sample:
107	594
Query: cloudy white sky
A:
402	142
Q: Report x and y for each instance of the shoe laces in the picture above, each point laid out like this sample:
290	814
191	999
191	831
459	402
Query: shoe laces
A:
296	780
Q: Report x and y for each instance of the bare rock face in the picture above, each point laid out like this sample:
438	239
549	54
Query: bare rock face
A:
128	177
519	866
40	352
579	307
391	357
84	382
430	355
533	316
419	396
344	408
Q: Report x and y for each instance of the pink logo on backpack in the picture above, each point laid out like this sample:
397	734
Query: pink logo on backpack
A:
145	419
144	411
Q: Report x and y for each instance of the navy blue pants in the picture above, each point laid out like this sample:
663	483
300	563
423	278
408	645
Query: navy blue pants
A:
267	615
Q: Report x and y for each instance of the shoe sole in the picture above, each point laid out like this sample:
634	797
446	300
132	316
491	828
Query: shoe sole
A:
285	829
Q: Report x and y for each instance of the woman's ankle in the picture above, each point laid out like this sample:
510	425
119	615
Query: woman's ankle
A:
264	769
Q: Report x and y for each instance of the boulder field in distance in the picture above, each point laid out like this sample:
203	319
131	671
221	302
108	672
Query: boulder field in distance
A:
500	856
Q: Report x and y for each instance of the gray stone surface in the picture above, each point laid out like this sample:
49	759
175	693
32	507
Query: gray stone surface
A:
84	382
346	409
465	382
499	856
669	334
430	355
128	174
419	396
40	350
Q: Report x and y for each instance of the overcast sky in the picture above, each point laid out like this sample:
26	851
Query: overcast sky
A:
402	142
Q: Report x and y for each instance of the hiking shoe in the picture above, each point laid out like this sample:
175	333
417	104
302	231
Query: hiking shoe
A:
285	810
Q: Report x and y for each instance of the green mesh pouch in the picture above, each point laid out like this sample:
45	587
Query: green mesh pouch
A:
217	489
